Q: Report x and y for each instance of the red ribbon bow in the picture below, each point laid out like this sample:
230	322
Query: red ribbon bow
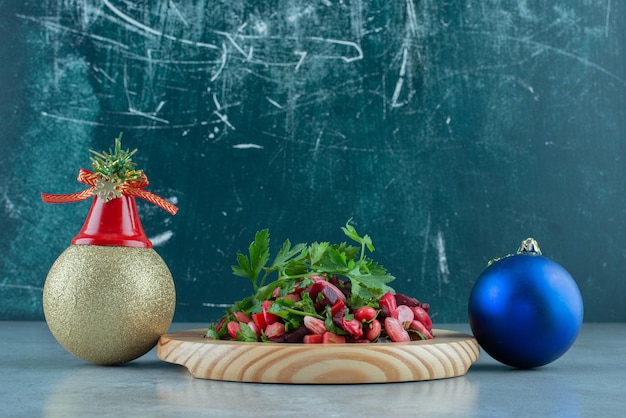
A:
129	188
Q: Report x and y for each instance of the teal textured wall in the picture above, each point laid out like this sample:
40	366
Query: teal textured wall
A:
449	132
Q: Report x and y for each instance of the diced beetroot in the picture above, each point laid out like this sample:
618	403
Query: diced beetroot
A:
298	289
405	315
274	330
333	294
395	330
242	317
372	330
259	320
402	299
329	290
422	316
314	325
332	338
338	312
365	314
345	286
339	306
337	291
313	339
387	304
268	317
419	327
315	289
220	324
297	335
233	329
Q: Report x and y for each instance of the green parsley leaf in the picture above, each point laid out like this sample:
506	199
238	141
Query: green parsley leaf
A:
317	251
286	253
259	255
364	241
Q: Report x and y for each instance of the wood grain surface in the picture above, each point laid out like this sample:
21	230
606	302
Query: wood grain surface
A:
449	354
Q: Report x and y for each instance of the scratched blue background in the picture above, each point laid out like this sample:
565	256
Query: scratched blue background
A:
449	131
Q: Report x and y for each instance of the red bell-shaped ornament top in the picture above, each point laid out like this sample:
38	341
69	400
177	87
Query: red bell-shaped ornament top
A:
113	219
113	223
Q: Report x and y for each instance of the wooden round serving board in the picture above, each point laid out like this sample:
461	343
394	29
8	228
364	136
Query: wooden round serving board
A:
449	354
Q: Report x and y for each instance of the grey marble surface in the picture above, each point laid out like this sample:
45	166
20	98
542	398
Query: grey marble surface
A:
39	378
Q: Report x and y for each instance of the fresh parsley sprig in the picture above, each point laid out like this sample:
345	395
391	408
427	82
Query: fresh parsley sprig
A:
368	279
259	253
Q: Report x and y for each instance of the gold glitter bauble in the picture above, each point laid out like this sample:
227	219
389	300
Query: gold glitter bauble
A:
106	304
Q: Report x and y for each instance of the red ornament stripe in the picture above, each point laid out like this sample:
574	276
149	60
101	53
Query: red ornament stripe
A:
129	188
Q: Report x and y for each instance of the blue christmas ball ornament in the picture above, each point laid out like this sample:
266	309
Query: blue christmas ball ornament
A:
525	310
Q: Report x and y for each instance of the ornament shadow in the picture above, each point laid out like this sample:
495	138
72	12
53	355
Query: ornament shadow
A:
145	365
500	368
